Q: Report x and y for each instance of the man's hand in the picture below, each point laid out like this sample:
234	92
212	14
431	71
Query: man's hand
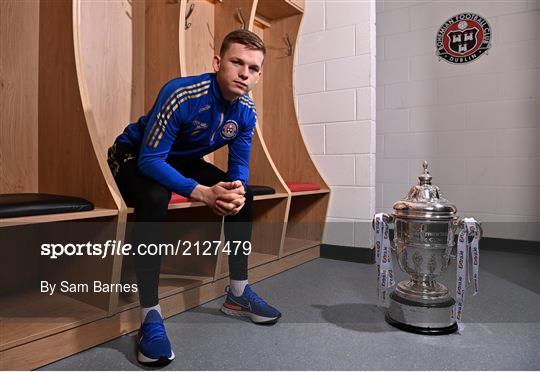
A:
224	198
238	188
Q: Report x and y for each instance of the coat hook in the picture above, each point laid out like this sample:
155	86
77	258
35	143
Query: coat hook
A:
289	44
130	3
242	21
189	12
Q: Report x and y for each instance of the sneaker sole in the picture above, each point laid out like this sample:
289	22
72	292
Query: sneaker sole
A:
257	319
162	361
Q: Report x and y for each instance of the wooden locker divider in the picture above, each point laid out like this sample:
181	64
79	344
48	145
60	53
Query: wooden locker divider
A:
278	26
19	97
287	151
304	227
47	103
162	46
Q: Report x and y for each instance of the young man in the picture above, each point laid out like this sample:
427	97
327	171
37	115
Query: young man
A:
162	152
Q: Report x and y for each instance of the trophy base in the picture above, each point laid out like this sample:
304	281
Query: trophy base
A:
421	318
422	330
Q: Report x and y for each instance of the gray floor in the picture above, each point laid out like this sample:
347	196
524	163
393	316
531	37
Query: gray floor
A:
331	321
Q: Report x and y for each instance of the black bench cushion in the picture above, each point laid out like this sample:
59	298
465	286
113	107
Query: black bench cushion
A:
261	190
28	204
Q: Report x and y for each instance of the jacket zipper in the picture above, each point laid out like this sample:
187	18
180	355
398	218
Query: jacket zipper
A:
219	126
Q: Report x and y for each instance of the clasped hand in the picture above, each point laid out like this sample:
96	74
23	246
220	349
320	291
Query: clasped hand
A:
229	198
224	198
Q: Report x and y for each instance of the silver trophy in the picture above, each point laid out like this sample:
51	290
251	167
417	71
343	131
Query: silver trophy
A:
424	227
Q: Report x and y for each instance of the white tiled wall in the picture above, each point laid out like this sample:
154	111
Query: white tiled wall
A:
335	91
477	124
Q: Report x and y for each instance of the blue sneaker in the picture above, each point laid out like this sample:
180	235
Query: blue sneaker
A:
250	305
154	346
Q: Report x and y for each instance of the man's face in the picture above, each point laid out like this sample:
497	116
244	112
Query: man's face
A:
238	70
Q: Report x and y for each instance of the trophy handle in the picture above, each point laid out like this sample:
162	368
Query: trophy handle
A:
479	228
389	219
459	224
392	233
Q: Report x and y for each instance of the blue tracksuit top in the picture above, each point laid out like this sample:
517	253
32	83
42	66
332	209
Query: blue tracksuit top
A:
190	119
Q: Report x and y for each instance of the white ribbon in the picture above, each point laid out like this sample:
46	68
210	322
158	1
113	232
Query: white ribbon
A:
385	271
468	257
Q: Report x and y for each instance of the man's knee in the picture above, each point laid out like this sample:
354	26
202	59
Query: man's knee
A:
156	195
152	201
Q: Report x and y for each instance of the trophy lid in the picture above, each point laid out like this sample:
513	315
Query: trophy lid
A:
424	201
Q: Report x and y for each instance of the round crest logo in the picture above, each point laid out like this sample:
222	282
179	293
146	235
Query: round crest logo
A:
229	129
463	38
